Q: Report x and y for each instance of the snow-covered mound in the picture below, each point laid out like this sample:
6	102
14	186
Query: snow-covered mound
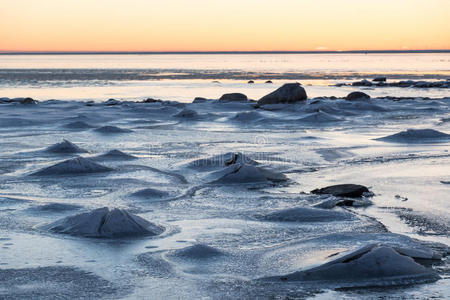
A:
105	223
115	155
244	173
319	117
307	214
112	129
65	147
57	207
373	265
78	125
150	194
197	252
222	160
247	116
74	166
417	136
186	114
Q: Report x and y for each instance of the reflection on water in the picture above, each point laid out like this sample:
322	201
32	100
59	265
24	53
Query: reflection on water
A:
182	77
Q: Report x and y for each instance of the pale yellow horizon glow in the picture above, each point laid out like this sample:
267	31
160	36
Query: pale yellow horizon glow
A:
210	25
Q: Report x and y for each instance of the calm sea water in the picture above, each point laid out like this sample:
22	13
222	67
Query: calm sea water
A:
183	77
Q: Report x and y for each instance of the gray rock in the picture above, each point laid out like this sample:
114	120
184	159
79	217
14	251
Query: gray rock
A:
357	96
380	79
233	97
343	190
288	93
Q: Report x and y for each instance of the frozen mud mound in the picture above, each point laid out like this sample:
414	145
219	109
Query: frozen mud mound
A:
243	173
105	223
111	130
152	194
115	155
417	136
318	117
223	160
307	214
78	125
65	147
197	252
75	166
373	265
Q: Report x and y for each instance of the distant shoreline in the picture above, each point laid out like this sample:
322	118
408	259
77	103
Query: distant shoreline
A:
219	52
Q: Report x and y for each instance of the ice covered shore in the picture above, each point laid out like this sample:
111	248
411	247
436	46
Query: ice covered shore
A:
273	199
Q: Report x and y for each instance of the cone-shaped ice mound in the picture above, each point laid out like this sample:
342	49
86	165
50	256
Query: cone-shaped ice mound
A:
307	214
73	166
319	117
223	160
65	147
243	173
186	114
198	251
105	223
373	265
112	129
115	155
78	125
417	136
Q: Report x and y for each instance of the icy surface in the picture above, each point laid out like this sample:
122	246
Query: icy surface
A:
231	186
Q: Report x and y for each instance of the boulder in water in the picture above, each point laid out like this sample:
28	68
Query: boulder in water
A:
373	265
417	136
65	147
343	190
75	166
288	93
250	82
357	96
105	223
233	97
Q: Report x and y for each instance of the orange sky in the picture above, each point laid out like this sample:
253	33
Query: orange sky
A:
210	25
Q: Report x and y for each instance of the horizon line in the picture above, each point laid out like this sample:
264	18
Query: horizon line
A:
221	52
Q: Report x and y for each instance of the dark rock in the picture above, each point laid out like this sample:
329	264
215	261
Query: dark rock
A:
288	93
357	96
269	81
233	97
363	82
250	82
28	101
380	79
343	190
151	100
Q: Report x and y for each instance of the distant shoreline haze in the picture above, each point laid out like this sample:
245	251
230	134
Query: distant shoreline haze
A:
218	52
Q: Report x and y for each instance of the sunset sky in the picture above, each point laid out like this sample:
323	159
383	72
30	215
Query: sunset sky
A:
211	25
